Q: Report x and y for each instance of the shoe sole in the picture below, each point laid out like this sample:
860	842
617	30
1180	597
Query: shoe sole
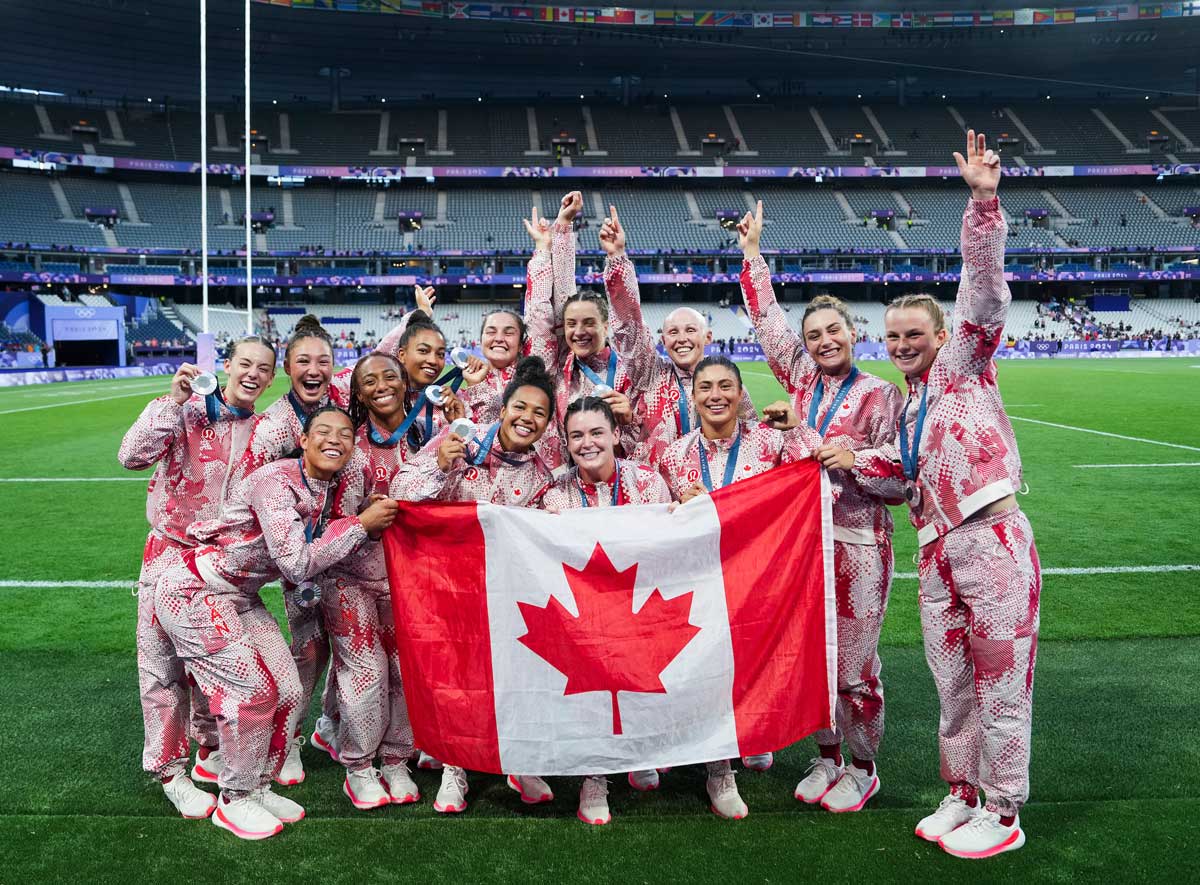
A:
528	800
221	821
859	807
292	820
713	809
1012	843
359	804
642	788
204	816
406	799
816	800
290	783
596	822
320	743
449	809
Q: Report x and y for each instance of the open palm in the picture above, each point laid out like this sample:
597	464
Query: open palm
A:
980	168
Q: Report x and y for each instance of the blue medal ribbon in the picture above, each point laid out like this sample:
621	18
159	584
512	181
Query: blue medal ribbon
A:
215	402
685	420
455	379
301	412
616	487
819	394
313	528
908	460
730	463
485	445
593	377
387	442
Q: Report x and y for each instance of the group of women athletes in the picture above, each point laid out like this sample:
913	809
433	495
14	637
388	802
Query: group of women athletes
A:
572	406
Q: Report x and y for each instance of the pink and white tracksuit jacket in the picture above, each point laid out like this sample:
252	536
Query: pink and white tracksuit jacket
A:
635	484
760	448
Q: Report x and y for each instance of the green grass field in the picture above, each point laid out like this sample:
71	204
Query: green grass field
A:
1116	757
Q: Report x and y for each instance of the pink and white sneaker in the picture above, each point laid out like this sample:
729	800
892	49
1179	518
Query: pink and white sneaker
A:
452	795
427	762
759	761
208	768
246	818
952	812
852	790
983	836
532	788
593	801
365	789
644	781
400	785
822	775
324	737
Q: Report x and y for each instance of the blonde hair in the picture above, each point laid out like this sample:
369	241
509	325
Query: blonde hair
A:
826	301
924	301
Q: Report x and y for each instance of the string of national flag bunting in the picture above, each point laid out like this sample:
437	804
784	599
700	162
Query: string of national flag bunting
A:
610	15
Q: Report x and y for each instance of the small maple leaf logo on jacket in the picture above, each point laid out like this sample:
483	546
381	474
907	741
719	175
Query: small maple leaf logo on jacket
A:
609	647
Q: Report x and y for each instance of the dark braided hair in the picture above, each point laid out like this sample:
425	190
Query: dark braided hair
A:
419	322
531	372
512	313
722	361
358	411
308	326
590	404
588	296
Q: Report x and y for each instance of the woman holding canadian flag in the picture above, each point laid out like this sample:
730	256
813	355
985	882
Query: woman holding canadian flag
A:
850	409
499	465
600	479
722	450
959	468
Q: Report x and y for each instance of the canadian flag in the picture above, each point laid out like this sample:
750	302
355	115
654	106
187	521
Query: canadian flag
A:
598	641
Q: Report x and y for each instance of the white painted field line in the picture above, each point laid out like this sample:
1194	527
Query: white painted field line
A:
1152	442
145	478
74	402
1170	464
902	576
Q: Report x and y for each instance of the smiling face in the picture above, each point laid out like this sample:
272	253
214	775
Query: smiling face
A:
328	444
309	363
717	392
501	339
251	369
912	340
424	357
829	340
381	387
591	440
584	328
684	335
524	418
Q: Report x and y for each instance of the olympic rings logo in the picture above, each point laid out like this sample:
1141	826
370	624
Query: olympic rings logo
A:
84	312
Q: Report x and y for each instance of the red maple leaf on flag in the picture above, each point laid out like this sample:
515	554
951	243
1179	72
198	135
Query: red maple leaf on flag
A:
609	647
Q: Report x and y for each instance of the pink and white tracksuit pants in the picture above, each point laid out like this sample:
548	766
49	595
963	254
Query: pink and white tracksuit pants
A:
863	575
233	649
311	653
980	597
167	697
370	695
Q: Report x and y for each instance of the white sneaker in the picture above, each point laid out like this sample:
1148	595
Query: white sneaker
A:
365	790
246	818
425	761
645	781
952	812
852	790
723	792
593	801
822	775
759	762
532	788
283	808
983	836
400	785
208	770
188	799
292	771
325	737
452	794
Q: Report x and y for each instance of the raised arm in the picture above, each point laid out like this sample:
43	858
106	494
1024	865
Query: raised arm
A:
629	335
563	250
539	309
421	477
981	307
298	559
785	352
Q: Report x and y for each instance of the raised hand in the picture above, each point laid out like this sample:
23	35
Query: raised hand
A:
570	207
181	384
981	167
539	231
453	448
452	407
620	405
475	371
834	458
780	415
378	516
750	231
612	235
425	299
